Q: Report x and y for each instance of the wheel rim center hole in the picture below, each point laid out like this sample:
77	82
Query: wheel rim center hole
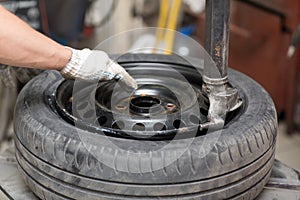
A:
144	104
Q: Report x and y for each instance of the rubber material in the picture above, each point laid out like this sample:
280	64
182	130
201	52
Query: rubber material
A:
56	164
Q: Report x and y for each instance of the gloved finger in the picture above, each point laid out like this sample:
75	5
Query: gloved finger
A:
121	75
127	82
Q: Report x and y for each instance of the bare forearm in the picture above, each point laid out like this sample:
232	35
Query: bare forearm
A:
22	46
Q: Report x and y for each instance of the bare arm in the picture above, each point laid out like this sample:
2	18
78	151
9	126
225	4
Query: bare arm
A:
20	45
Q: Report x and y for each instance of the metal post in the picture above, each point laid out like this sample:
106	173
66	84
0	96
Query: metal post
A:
217	37
222	97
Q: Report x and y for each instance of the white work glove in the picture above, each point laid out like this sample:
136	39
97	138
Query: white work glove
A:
95	65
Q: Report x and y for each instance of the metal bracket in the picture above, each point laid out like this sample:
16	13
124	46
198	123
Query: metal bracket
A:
222	97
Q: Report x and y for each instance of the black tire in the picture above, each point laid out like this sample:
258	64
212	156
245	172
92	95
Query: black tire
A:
56	165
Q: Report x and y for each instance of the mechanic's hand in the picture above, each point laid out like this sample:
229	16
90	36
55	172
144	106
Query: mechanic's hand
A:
95	65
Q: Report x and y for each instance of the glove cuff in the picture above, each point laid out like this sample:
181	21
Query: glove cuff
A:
77	58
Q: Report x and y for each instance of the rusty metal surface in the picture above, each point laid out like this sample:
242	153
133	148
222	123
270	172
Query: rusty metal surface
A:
217	36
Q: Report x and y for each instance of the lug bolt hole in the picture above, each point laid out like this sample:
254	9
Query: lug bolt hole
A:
170	106
121	107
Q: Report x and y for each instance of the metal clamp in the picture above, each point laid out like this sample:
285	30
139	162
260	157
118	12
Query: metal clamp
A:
222	97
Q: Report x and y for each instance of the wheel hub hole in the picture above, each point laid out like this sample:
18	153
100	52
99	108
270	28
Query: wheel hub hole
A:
145	105
145	101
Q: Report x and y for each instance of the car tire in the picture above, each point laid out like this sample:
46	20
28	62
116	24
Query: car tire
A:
56	164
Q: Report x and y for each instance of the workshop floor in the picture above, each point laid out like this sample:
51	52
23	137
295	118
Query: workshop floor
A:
288	147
